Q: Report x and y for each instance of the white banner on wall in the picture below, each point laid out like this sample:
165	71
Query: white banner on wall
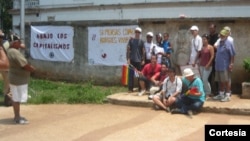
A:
107	45
52	43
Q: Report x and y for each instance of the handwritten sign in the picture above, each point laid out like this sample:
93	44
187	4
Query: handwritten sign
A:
107	45
52	43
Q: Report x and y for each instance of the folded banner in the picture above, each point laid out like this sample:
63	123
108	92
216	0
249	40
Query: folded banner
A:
52	43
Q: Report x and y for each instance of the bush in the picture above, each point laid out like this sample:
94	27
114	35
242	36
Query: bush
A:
246	65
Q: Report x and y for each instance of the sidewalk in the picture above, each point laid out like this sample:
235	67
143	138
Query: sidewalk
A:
237	105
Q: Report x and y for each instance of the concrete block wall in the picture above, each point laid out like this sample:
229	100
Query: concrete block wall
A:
80	70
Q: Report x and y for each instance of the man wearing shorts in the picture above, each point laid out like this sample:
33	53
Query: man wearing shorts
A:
19	74
223	66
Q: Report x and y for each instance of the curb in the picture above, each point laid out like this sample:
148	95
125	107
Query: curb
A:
236	106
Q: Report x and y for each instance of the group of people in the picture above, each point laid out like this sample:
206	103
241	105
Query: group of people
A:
15	65
213	53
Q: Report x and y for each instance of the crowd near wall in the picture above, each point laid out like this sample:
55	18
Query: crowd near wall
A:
79	69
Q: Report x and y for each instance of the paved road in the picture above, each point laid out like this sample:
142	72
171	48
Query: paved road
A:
107	123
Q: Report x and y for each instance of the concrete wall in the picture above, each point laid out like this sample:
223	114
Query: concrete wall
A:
80	70
155	16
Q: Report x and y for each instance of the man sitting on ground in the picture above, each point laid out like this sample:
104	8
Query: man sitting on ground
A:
171	88
157	80
194	98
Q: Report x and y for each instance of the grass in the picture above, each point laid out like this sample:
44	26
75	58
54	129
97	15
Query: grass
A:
51	92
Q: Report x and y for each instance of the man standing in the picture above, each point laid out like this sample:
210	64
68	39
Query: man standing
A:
149	47
135	56
223	66
213	37
4	66
19	73
196	45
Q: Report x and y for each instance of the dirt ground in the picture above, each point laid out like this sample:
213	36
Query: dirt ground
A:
106	123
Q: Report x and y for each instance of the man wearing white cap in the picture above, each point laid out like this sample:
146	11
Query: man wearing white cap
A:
196	45
135	56
193	98
149	46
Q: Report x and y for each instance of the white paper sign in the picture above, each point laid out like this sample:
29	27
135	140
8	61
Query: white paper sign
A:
52	43
107	45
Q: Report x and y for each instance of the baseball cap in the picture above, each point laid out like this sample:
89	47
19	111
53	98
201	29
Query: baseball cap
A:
188	72
194	27
150	34
138	29
224	32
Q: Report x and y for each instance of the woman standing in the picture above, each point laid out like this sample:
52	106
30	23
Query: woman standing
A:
205	58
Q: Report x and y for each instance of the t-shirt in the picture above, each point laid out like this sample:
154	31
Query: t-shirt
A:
136	49
196	46
148	70
148	49
166	46
171	87
17	75
225	51
160	76
199	85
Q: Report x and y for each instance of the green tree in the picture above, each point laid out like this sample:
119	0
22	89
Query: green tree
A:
5	17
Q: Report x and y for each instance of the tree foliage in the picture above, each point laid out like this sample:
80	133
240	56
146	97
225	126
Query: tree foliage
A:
5	17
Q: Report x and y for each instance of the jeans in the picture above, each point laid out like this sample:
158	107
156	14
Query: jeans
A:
185	104
131	76
204	77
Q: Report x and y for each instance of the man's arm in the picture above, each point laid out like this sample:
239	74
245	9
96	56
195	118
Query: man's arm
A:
4	62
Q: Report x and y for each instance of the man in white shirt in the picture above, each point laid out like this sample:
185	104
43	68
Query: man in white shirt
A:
148	46
196	45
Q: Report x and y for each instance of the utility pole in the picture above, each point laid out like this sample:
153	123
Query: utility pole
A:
22	21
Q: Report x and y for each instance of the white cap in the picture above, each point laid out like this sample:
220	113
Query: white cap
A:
194	27
150	34
227	28
188	72
138	29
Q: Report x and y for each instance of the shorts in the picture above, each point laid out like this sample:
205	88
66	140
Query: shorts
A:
222	76
154	89
19	93
161	97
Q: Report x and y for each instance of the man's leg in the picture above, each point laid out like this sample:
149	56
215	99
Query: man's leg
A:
157	99
16	109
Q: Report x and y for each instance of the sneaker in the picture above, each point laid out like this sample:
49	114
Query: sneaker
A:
22	120
141	93
218	97
150	97
225	99
190	113
176	111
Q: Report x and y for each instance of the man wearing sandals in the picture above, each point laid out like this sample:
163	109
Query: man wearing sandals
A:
19	74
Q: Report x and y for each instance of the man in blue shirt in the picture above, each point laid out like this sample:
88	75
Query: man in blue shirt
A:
223	66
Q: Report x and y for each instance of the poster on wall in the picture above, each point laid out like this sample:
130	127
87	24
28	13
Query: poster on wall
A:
107	45
52	43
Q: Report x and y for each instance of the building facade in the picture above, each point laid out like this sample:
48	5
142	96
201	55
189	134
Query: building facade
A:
174	17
